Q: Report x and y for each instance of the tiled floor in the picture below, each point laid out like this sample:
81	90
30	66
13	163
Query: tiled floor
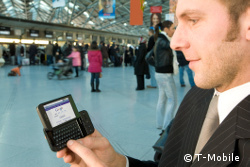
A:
125	116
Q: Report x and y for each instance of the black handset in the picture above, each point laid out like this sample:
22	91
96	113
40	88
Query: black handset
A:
62	122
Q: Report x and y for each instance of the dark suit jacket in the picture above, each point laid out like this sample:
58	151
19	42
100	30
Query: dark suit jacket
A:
231	138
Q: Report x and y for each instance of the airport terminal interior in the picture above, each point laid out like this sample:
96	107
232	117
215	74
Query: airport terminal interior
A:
125	116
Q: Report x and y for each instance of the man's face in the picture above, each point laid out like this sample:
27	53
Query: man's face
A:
106	4
201	35
170	31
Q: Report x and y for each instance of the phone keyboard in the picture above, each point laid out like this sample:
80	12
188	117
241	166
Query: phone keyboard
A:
64	134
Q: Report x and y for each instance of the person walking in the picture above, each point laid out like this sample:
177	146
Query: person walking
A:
164	67
95	66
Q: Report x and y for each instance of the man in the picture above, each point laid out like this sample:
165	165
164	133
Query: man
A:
12	49
107	8
19	53
214	36
183	66
151	44
49	52
105	55
33	53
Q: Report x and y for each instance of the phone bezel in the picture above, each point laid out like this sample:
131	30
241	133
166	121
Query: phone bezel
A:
44	117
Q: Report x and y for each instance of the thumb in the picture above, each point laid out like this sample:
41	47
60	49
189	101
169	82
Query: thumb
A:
87	155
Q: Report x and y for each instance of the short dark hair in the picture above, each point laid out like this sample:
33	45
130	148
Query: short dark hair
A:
165	24
94	45
76	47
20	65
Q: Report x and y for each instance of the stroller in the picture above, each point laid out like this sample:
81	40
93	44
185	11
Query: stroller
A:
62	68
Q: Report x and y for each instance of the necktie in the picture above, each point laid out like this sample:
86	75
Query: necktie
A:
210	124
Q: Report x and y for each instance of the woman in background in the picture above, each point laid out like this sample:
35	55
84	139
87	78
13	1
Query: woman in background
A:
164	71
95	65
76	62
155	19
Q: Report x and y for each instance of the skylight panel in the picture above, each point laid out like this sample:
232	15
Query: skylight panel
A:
91	23
86	14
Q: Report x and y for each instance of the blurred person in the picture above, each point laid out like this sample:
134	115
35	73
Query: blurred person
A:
19	53
105	55
112	53
76	62
57	52
127	59
82	51
215	38
2	61
95	66
15	71
33	53
141	67
49	52
183	66
151	44
12	49
164	68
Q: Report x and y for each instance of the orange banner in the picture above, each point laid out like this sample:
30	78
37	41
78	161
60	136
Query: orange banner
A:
136	13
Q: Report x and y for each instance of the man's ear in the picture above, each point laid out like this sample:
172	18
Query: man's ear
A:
247	23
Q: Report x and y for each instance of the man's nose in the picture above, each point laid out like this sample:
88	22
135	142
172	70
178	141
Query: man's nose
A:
179	40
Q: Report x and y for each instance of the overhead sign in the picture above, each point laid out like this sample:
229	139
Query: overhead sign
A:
79	36
18	32
156	9
58	3
69	36
170	17
4	30
48	34
107	9
34	33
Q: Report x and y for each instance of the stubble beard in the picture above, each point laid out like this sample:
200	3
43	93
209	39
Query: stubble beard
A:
222	67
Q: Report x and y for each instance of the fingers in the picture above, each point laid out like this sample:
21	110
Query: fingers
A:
95	141
85	153
61	153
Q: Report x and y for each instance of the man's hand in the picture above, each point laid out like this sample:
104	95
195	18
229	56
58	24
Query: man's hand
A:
92	151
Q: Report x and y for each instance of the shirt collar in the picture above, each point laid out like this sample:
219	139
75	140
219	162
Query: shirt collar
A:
164	33
229	99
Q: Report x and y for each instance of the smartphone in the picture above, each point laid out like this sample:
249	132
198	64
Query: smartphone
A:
62	122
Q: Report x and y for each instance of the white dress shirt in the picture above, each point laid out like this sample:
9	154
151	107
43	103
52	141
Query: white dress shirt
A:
230	98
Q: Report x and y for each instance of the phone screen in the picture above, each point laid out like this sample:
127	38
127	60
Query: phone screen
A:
59	112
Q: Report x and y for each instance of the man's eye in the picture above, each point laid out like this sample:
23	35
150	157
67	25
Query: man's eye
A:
193	21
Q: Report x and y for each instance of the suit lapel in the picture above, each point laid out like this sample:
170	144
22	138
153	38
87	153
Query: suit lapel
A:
185	130
222	142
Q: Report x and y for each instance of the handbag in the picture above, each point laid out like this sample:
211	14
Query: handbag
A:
100	75
150	57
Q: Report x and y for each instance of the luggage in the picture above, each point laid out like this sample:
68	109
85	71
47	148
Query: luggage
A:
25	61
